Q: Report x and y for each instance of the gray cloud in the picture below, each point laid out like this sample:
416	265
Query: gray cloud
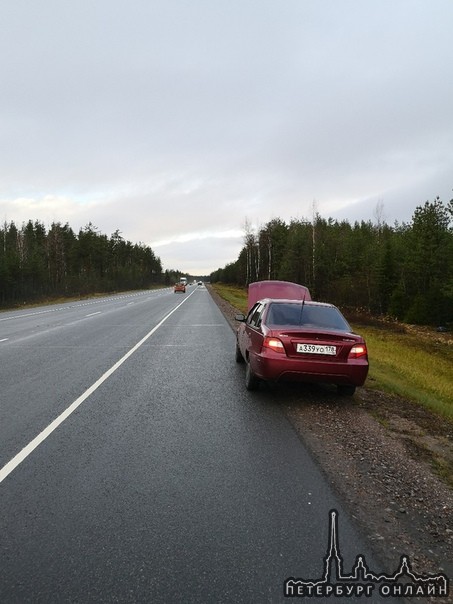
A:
173	120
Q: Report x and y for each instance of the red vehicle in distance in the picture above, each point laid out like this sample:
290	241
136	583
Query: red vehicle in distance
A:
288	337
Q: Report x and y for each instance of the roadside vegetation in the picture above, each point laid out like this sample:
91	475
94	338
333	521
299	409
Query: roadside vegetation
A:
406	360
412	363
403	271
40	265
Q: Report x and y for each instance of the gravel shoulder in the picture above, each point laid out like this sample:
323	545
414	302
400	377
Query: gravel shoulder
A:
385	457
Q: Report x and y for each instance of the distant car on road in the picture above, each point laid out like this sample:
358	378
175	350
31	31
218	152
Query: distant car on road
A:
294	339
180	288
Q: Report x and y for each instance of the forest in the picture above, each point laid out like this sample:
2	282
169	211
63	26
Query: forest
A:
38	264
404	271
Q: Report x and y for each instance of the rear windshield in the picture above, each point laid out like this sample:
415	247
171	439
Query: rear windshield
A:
318	317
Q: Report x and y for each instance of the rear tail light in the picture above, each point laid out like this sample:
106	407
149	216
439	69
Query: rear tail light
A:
357	351
274	344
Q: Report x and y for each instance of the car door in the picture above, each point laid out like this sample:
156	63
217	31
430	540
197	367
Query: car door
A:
253	335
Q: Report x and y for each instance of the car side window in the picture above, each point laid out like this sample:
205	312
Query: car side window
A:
254	317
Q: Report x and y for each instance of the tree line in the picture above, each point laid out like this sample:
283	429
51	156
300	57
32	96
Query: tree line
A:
36	263
404	271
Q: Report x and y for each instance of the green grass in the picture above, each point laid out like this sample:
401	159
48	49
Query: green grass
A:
417	367
236	296
413	367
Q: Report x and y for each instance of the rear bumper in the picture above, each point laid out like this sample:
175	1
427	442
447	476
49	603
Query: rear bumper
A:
276	367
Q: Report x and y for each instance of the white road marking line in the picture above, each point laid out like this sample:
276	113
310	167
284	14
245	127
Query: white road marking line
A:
30	314
93	313
21	314
4	340
32	445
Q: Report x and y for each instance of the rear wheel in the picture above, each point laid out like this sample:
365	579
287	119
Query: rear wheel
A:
345	389
251	381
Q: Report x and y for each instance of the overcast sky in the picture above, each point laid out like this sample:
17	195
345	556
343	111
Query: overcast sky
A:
174	121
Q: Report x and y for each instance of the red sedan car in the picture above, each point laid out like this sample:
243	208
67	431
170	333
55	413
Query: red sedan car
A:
298	340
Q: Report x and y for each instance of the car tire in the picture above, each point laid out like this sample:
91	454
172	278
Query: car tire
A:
251	381
345	390
238	355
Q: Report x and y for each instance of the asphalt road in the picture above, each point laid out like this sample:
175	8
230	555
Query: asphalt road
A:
162	479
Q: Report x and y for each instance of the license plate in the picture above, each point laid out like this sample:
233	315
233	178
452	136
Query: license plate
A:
316	349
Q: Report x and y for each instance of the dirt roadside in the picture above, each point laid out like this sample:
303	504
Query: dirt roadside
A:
383	455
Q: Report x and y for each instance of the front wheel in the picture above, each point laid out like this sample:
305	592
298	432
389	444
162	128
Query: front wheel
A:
238	355
251	381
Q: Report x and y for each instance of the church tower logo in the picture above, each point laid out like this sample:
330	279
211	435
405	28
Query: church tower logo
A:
362	582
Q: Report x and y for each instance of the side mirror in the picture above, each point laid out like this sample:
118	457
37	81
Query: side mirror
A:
239	317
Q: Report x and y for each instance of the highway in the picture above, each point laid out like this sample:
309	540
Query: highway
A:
135	466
